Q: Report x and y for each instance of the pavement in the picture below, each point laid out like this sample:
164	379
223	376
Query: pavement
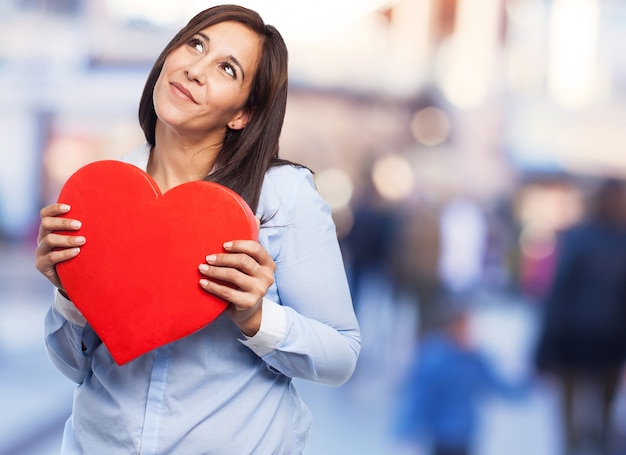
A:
354	419
35	397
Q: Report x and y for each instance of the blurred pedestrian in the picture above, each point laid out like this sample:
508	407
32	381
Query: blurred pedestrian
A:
368	244
415	260
582	341
445	386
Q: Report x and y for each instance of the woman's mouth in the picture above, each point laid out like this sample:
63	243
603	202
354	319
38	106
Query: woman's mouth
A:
181	91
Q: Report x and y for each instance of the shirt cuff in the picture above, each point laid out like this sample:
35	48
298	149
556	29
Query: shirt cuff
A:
272	330
68	310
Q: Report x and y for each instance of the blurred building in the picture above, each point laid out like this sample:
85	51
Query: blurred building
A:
436	98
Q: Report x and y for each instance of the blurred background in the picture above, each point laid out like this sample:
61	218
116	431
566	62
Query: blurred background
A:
455	140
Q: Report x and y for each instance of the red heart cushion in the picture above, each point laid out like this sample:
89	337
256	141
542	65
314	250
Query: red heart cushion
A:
136	278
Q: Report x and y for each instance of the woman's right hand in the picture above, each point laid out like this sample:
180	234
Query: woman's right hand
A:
52	247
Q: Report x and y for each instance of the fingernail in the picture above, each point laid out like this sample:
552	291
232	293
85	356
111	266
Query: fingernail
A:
79	240
204	282
76	224
228	245
65	207
203	267
211	258
75	251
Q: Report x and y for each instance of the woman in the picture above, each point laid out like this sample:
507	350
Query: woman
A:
213	108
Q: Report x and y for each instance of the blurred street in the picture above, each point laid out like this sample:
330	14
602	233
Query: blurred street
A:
455	141
352	419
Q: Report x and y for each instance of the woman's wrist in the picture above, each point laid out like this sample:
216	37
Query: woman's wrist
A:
249	322
251	326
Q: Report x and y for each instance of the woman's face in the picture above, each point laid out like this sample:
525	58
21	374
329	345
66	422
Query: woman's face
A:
204	84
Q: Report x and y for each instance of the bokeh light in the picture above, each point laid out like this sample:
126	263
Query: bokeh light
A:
573	46
393	177
537	240
335	186
430	126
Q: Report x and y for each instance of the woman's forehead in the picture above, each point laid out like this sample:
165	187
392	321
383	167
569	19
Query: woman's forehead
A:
234	38
231	32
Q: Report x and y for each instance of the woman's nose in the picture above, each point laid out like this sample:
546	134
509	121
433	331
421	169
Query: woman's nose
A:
196	71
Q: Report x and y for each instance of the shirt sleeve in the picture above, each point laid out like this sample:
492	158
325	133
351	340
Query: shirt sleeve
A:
68	310
321	340
69	339
272	330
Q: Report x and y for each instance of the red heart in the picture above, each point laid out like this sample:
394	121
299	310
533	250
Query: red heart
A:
136	278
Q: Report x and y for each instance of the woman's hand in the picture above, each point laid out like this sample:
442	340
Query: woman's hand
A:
53	248
249	270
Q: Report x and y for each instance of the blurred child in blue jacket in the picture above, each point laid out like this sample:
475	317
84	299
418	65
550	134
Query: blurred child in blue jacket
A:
439	404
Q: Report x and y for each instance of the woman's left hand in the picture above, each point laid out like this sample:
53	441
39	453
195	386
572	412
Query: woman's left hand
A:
249	270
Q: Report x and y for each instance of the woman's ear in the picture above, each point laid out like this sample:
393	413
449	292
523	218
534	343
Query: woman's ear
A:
241	120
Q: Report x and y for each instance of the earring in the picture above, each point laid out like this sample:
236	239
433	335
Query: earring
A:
232	125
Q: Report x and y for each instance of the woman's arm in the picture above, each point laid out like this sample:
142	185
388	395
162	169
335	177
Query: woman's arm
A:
318	335
68	343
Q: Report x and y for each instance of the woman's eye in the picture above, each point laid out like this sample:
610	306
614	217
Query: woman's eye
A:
196	44
230	70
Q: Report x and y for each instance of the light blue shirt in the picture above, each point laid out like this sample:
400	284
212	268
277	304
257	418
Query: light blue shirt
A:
216	391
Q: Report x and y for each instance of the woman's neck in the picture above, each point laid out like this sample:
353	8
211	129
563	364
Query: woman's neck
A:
173	162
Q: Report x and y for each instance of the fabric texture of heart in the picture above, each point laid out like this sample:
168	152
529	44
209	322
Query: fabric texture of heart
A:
136	278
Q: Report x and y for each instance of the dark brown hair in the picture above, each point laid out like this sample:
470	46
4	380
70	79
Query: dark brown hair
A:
246	154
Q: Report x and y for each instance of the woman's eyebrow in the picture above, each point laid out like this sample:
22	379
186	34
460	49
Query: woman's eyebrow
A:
230	57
